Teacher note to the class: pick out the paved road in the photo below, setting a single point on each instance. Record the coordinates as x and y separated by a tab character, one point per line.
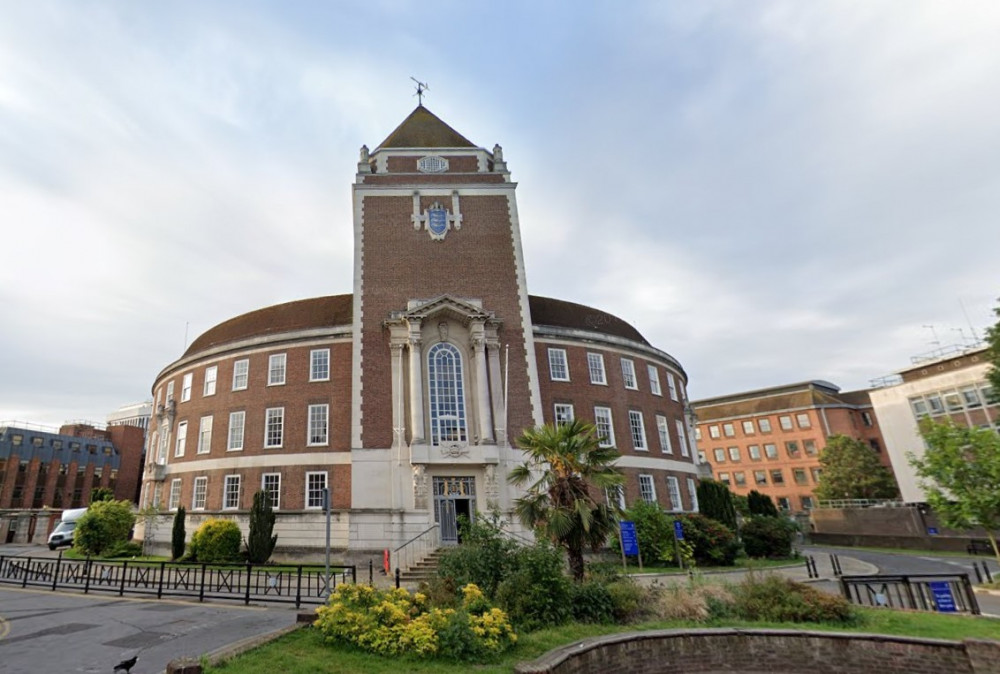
51	632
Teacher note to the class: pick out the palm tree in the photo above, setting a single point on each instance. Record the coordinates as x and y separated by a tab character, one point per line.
567	463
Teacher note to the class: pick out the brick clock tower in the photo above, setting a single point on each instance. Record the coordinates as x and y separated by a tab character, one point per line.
444	362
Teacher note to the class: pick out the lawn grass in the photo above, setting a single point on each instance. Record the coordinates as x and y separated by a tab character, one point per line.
742	564
304	652
909	551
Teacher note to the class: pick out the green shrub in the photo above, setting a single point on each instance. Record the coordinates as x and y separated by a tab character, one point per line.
105	524
216	541
261	540
768	537
124	549
715	501
653	529
177	535
537	593
714	543
773	598
629	600
485	558
592	602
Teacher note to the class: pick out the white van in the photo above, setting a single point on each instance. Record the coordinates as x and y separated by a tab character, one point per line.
63	533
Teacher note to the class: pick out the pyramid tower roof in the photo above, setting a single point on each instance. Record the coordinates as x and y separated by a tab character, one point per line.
422	128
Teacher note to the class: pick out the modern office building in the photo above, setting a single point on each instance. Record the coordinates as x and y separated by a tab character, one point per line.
404	397
133	414
770	439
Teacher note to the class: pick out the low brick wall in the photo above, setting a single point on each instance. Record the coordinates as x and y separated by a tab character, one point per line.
766	652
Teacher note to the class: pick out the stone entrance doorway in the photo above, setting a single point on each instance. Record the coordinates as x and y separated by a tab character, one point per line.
453	497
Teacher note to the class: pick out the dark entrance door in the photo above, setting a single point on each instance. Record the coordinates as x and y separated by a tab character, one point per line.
454	497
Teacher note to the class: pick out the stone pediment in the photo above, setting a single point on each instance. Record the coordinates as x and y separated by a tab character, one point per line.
464	311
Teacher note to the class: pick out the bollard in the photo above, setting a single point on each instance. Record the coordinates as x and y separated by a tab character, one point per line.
397	577
979	576
371	571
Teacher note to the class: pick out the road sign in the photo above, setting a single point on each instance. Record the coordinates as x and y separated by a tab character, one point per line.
630	541
678	530
943	598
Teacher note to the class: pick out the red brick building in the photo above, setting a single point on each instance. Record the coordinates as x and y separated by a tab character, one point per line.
770	439
403	396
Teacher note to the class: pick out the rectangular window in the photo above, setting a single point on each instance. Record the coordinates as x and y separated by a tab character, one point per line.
807	502
558	368
595	364
803	420
175	495
170	390
728	430
182	431
777	477
186	387
319	365
663	429
748	428
315	485
919	407
800	476
654	380
697	433
810	447
771	450
875	445
605	429
615	496
764	425
211	374
720	455
205	435
783	503
725	479
740	478
274	426
682	438
236	423
628	373
647	490
754	452
760	477
231	497
867	420
816	473
674	489
971	398
953	402
734	453
937	407
792	449
987	392
638	430
672	386
241	373
270	484
276	369
319	416
786	423
564	414
713	432
199	494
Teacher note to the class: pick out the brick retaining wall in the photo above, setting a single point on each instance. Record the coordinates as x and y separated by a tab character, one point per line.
771	651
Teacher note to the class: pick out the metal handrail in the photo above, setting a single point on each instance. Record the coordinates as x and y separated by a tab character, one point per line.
409	558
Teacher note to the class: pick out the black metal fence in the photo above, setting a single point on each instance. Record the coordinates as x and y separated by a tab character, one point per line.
945	593
301	584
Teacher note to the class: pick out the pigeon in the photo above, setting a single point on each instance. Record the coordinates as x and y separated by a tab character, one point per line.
126	665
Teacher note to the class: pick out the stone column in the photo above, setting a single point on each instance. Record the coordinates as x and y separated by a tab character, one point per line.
398	415
482	392
416	390
496	390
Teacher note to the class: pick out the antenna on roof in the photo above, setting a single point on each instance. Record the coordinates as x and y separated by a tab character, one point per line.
421	88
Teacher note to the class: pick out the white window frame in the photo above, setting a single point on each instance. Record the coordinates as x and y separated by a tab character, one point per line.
714	433
318	360
274	413
720	455
748	428
309	487
768	454
729	430
277	369
654	380
558	365
562	413
241	374
615	496
628	374
318	431
638	431
205	435
181	442
276	495
734	454
211	378
672	386
647	488
227	503
674	490
200	489
595	367
237	431
174	500
170	390
785	422
803	420
663	429
186	383
693	494
603	419
682	437
764	425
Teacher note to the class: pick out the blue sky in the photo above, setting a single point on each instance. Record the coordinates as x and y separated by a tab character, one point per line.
769	191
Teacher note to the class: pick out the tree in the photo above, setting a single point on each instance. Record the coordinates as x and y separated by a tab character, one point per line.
993	340
260	541
716	502
101	494
761	504
105	524
177	535
960	472
851	470
566	463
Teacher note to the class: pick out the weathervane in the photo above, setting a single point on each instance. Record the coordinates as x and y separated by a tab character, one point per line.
421	88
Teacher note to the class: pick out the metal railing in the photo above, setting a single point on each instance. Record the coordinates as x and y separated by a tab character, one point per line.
863	503
945	593
301	584
416	549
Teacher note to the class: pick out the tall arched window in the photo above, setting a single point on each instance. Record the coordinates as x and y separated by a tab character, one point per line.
447	394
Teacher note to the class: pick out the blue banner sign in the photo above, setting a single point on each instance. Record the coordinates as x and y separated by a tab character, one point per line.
932	531
943	598
678	530
630	541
